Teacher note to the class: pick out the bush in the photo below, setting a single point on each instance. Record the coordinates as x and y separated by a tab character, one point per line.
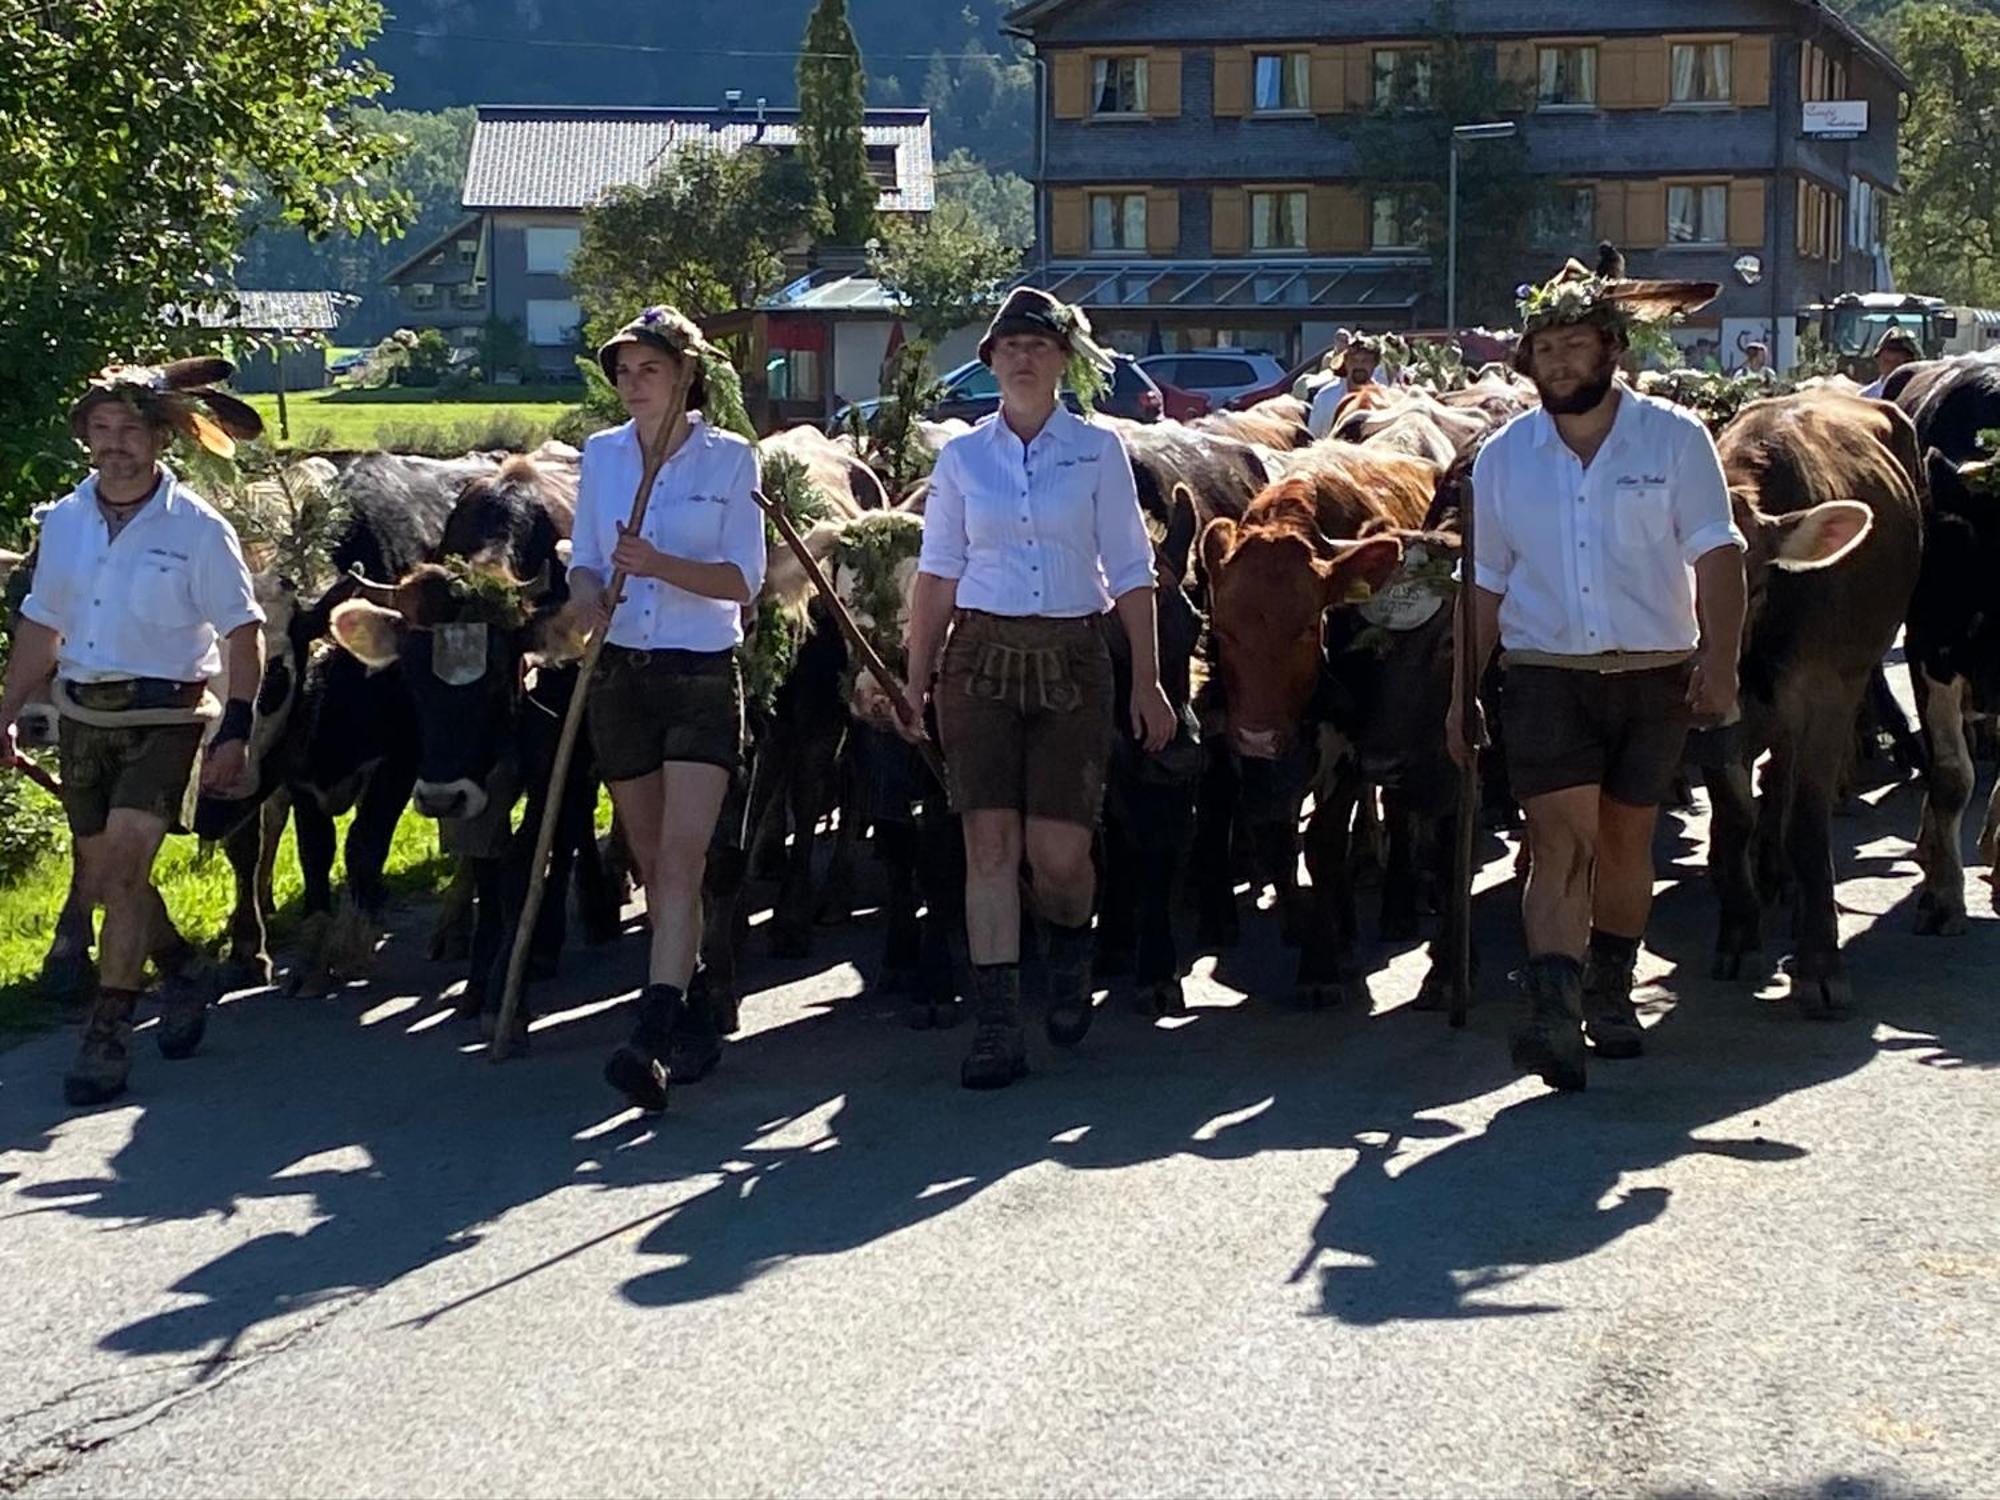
504	350
498	430
386	360
578	423
428	360
31	826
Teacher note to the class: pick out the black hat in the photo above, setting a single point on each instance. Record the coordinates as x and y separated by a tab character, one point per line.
1902	341
664	328
173	395
1029	309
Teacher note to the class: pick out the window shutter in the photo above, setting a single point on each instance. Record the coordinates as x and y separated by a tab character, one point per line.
1163	84
1327	89
1360	77
1649	73
1645	215
1746	213
1519	64
1611	212
1751	70
1336	221
1228	221
1163	221
1072	85
1617	82
1232	83
1067	228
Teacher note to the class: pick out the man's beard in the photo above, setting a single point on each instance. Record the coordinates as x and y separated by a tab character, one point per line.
1584	398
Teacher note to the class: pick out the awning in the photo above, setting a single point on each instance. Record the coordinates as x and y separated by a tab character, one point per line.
1376	284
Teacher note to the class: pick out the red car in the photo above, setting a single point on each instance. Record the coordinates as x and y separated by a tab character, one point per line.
1479	349
1178	405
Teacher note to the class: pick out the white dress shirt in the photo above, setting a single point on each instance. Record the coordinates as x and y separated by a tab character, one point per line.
1600	559
152	602
1325	402
1047	528
702	509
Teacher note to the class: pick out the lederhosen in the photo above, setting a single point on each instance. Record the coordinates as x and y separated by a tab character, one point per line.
147	768
651	707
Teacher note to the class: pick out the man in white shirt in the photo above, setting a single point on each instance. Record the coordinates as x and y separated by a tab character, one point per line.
1609	569
1896	349
1313	382
141	597
1356	370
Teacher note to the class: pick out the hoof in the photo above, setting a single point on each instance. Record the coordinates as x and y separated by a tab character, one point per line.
314	983
789	940
1333	994
1436	993
71	977
1937	919
1826	998
1066	1025
83	1093
244	974
994	1076
449	948
1161	998
934	1015
1403	927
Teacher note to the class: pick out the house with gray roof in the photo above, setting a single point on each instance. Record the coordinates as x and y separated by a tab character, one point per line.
532	172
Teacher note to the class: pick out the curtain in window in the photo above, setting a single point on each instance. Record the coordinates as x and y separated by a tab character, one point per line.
1715	71
1682	207
1270	83
1104	86
1714	214
1550	88
1135	222
1103	222
1687	62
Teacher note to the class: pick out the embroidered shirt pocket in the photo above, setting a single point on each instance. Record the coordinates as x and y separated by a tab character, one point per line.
161	591
1642	514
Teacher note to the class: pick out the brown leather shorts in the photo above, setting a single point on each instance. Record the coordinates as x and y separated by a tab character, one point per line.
144	770
1620	731
650	707
1024	710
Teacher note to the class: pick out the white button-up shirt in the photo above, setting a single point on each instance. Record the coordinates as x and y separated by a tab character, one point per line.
1600	559
702	509
1050	527
152	602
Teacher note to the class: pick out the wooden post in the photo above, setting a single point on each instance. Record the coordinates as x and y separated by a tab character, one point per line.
284	417
1468	773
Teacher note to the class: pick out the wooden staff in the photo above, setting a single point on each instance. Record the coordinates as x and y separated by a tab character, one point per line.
654	455
870	658
1468	773
39	775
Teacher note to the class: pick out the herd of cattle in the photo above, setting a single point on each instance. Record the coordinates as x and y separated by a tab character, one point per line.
1306	639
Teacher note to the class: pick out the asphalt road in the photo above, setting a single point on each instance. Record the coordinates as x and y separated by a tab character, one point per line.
1254	1251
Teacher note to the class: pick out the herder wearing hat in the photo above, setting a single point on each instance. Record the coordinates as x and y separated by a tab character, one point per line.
1032	532
666	704
1897	348
140	598
1610	573
1357	368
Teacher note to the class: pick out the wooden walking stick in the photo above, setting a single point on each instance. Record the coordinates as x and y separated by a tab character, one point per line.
654	456
1468	773
870	658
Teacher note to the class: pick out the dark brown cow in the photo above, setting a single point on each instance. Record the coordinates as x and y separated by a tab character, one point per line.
1825	490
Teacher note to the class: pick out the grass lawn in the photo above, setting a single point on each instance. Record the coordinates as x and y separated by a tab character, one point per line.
199	894
417	420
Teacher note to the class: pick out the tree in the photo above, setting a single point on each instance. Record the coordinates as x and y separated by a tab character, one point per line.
984	104
943	271
1944	231
1406	145
832	99
1000	201
706	234
132	135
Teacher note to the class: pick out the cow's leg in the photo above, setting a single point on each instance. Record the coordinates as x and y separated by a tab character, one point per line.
67	971
1327	968
1440	984
1776	793
1214	861
944	967
358	923
1401	885
717	980
1731	822
812	775
1911	756
484	971
451	930
902	935
1818	979
315	835
1159	840
1947	789
836	892
1371	848
1119	877
249	962
1989	839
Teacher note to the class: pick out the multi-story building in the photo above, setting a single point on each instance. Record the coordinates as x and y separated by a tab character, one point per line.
1200	179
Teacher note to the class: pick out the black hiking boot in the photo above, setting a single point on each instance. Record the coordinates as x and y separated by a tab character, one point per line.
999	1052
184	999
638	1069
1067	1019
103	1062
1610	1019
1549	1039
695	1045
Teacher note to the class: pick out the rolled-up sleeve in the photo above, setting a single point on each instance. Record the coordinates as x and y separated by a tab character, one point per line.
586	542
1493	555
40	604
943	554
743	526
1703	519
1122	544
224	591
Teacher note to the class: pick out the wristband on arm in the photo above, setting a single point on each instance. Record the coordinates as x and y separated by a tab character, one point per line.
237	718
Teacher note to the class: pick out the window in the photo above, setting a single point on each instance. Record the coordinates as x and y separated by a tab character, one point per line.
552	321
469	294
421	294
1392	223
1118	86
1214	374
1278	220
1822	230
468	252
793	375
978	382
549	250
1568	77
1701	73
1570	217
1698	215
882	169
1281	81
1118	221
1402	78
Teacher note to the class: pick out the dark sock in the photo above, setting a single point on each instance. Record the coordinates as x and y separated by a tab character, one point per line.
1610	949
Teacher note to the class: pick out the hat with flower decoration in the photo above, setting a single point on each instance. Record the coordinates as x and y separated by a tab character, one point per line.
662	327
1576	295
1029	309
179	395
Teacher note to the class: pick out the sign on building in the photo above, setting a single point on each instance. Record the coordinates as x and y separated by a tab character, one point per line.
1836	119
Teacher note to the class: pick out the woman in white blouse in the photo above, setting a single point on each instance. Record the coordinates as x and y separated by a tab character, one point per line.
666	704
1032	532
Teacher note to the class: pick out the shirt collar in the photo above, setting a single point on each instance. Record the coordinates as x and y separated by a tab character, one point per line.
1621	425
698	432
1058	429
165	490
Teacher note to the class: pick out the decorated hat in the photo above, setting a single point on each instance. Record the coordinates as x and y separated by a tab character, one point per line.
181	395
1577	295
1031	310
1902	341
664	328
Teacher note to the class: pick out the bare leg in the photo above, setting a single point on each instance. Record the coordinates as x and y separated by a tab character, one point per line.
993	841
1622	892
1562	833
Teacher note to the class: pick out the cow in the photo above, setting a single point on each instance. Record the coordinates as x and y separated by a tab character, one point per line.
1277	423
832	466
1271	578
1825	488
1417	424
487	650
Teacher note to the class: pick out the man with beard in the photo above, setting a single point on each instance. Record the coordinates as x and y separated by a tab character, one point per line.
140	597
1609	571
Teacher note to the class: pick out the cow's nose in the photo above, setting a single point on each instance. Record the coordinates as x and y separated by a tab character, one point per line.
440	802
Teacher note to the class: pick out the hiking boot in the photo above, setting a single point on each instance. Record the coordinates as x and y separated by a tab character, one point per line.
1549	1039
999	1052
1067	1019
105	1059
1610	1019
694	1046
638	1069
184	1001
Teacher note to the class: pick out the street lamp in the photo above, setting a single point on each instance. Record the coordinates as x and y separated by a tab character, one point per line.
1499	130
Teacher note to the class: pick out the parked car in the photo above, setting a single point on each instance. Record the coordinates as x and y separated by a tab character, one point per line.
1180	405
1479	348
971	392
1219	374
347	364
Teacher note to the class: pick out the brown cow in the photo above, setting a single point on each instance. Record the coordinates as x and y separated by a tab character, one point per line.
1278	423
849	485
1826	490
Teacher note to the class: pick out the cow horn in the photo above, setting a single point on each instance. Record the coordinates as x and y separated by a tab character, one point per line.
535	588
383	594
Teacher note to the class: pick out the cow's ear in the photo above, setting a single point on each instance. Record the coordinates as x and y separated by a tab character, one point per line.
369	633
785	578
1802	540
1217	538
1355	566
555	638
1951	484
1179	540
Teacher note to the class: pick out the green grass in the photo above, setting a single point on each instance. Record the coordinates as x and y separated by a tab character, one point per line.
199	893
416	420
